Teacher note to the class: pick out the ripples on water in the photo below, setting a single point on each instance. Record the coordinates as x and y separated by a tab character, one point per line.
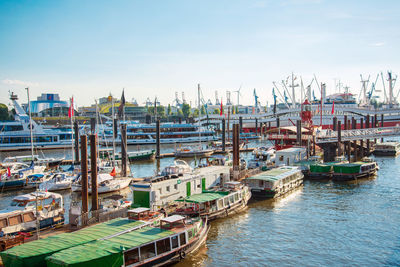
320	224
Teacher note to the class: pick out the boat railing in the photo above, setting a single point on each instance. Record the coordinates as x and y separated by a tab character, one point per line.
97	216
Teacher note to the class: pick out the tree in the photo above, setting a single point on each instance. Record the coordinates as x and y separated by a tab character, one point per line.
237	110
196	113
186	110
216	111
169	110
179	113
4	115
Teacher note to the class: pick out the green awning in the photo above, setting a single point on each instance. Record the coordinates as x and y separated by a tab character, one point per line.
204	197
107	252
34	253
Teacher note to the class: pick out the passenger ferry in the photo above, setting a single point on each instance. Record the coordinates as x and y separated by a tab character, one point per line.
217	202
170	133
390	148
275	182
148	246
15	135
21	215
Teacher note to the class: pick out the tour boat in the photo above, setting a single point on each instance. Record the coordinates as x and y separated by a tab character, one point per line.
175	238
390	148
25	211
275	182
59	181
217	202
105	182
353	171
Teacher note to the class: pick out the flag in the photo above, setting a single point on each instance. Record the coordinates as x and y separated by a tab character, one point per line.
8	172
333	107
317	109
221	110
121	105
113	172
71	108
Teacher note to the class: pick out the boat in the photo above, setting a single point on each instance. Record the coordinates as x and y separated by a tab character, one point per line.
389	148
216	202
356	170
16	135
263	157
171	242
114	202
304	164
176	181
34	180
25	211
48	162
191	152
15	174
170	133
289	156
33	253
105	184
317	170
145	214
275	182
132	156
59	181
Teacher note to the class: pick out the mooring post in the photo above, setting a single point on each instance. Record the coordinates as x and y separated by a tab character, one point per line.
298	129
158	153
362	140
256	121
313	144
334	124
76	141
339	134
93	171
240	124
123	150
375	124
84	179
382	126
92	125
223	136
236	156
278	123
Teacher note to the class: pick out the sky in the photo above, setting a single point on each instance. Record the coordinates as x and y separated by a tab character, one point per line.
89	49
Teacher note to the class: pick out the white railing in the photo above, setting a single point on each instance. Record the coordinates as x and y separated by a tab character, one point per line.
328	136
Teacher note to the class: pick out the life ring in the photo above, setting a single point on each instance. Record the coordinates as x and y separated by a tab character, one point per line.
182	254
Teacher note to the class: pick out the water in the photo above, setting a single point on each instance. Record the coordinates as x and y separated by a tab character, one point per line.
320	224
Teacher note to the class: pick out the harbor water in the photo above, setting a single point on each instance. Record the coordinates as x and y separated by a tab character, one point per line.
320	224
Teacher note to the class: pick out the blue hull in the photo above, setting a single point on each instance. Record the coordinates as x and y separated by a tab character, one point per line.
12	183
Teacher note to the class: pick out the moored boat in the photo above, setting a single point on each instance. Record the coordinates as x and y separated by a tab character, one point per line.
353	171
275	182
25	210
149	246
59	181
191	152
390	148
105	182
217	202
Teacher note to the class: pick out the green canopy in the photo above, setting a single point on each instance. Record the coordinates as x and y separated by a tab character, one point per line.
107	252
275	174
34	253
204	197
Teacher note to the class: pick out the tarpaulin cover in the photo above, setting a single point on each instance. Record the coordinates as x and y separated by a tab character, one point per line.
34	253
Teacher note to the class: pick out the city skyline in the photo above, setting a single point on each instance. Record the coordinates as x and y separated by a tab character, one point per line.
156	48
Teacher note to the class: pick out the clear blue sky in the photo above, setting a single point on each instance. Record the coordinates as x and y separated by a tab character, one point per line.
154	48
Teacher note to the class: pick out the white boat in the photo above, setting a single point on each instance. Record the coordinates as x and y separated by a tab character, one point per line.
191	152
179	167
34	180
106	184
59	181
36	159
13	175
389	148
20	216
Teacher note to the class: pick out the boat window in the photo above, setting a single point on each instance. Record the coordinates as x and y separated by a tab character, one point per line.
260	183
15	220
231	200
17	204
29	217
190	234
176	187
147	251
168	188
3	222
163	246
220	203
182	238
131	256
174	242
236	197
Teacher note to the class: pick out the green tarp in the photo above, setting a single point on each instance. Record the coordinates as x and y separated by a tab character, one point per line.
318	168
107	252
204	197
347	168
34	253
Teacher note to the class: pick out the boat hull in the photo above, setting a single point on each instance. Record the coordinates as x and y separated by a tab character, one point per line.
352	176
12	183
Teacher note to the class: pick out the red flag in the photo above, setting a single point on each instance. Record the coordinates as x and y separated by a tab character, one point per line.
220	112
317	109
8	172
333	107
113	172
71	109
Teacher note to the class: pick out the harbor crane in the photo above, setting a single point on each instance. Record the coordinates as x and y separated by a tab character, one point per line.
183	98
216	98
228	98
256	101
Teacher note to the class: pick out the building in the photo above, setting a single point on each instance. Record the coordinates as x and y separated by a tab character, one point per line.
48	105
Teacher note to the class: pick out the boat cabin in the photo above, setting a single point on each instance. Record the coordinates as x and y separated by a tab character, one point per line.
289	156
142	214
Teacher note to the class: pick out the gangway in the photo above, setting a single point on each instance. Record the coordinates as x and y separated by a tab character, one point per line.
330	136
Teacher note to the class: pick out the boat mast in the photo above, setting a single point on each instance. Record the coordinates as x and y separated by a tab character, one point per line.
113	125
30	121
198	95
72	130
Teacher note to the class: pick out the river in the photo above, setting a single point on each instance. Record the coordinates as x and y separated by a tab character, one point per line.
320	224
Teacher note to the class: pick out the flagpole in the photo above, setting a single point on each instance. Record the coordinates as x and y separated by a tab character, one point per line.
71	115
113	120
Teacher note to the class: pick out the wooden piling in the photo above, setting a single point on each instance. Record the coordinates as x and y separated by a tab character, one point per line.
93	171
158	152
223	136
115	130
84	174
92	125
236	156
76	141
339	131
334	124
256	121
382	126
123	150
298	134
240	124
